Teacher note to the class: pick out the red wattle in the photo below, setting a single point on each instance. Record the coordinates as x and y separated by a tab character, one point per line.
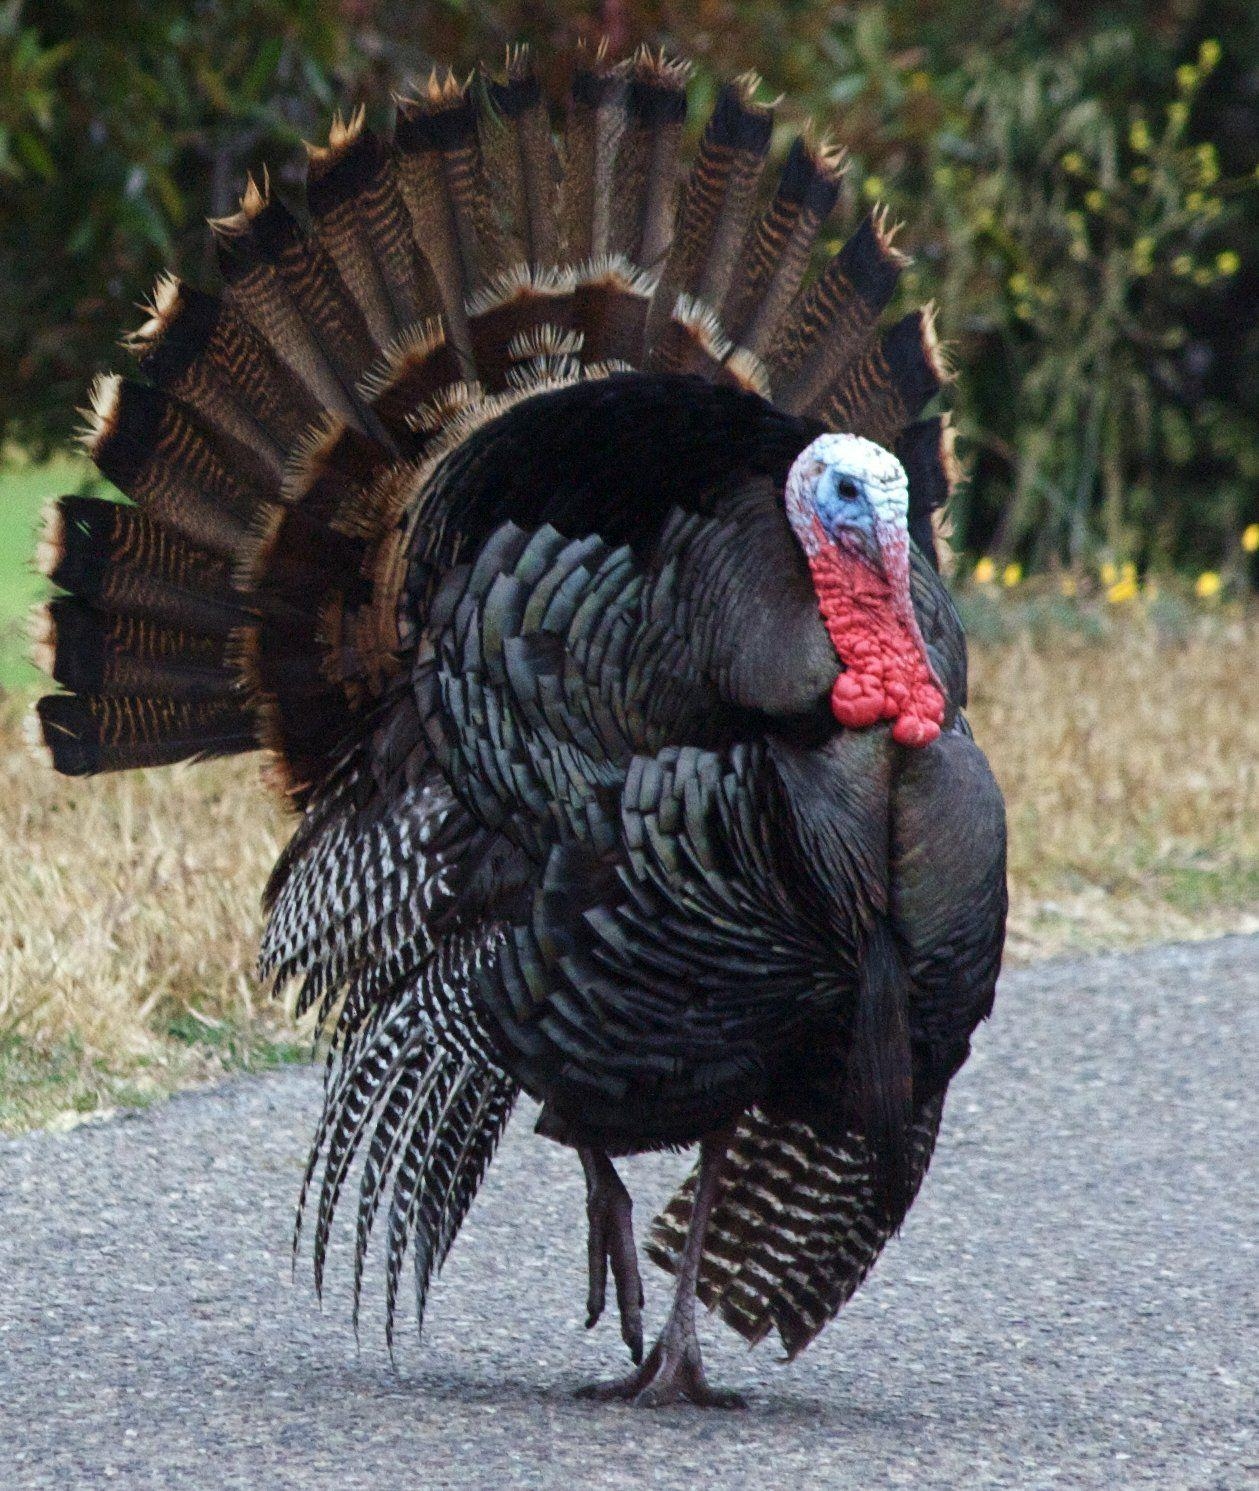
870	620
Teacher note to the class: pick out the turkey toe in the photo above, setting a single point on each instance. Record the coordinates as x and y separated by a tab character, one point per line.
673	1373
610	1240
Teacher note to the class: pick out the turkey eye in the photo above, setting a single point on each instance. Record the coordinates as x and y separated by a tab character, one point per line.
848	488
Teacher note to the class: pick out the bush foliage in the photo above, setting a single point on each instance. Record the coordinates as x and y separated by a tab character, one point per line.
1077	182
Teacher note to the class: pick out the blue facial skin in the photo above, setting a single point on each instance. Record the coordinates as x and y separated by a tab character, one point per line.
845	511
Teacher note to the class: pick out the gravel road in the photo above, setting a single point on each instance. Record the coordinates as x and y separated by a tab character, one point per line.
1073	1303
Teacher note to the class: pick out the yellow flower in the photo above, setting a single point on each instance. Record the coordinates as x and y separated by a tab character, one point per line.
1109	574
1207	585
1209	53
1143	255
1139	135
1228	262
919	82
1182	265
1124	586
1094	200
1073	163
1019	283
1069	586
1139	175
1178	113
873	187
1194	201
1250	538
1011	575
985	571
1186	76
1202	277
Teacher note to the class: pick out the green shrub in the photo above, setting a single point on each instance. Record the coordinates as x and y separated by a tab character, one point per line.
1076	235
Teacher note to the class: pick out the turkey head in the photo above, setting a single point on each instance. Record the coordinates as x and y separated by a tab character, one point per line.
847	501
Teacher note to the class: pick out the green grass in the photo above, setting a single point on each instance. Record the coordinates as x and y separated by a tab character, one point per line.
25	490
60	1085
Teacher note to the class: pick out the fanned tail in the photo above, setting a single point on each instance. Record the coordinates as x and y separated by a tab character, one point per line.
283	429
796	1227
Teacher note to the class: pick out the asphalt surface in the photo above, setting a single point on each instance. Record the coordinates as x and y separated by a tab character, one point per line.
1074	1301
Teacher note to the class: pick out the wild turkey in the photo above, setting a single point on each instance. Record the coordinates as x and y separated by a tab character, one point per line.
620	700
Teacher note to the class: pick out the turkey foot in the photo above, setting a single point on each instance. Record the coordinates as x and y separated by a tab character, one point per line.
609	1212
674	1369
672	1373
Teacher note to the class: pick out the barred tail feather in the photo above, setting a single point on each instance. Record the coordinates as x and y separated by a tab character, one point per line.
86	735
596	120
716	204
888	387
796	1226
516	139
357	210
926	450
832	320
776	251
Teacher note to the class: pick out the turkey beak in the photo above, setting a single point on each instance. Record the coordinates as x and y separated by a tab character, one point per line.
865	540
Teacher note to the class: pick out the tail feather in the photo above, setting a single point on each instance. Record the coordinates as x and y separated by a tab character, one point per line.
156	451
596	121
86	734
926	450
89	652
717	201
516	140
889	384
832	320
257	288
644	190
309	275
195	349
444	185
119	561
357	209
796	1226
775	254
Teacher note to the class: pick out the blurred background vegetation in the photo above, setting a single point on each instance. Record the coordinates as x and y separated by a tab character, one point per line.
1078	184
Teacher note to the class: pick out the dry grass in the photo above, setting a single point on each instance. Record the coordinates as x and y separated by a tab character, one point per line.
1129	758
129	906
128	920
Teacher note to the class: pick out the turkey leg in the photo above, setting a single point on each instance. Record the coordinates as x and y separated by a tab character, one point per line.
609	1212
674	1369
